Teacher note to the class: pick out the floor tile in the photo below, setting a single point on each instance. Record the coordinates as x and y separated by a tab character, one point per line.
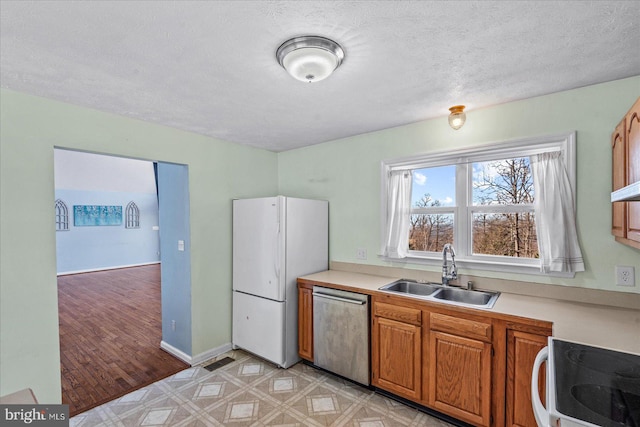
254	392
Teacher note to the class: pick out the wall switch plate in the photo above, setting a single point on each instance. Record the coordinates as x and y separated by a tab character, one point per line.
361	253
181	245
625	276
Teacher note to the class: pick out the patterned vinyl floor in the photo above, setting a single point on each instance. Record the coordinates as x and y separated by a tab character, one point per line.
252	392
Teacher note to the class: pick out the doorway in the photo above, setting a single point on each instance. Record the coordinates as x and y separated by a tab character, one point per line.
112	274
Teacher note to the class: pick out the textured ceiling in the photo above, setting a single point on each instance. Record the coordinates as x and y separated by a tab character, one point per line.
210	68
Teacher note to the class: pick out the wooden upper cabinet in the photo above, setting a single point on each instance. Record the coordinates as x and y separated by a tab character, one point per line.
619	179
305	323
633	142
633	169
625	145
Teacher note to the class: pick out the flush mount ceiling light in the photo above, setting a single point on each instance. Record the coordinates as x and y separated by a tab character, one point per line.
457	116
310	58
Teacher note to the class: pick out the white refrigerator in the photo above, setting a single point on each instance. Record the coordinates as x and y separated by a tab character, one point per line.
275	240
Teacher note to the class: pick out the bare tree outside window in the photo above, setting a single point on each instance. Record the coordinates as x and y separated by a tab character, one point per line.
430	232
501	210
510	231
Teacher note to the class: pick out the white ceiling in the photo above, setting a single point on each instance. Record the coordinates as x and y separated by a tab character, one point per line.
210	67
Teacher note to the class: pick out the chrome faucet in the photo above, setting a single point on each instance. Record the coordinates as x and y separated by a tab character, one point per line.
448	273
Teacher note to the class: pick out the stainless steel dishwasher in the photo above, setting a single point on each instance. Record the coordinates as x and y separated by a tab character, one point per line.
341	333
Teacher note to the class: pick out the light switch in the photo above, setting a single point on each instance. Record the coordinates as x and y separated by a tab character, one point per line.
181	245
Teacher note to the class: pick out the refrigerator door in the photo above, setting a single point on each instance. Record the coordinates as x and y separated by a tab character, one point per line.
307	239
258	247
258	326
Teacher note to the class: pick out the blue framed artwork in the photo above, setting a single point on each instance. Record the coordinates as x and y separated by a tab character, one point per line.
91	215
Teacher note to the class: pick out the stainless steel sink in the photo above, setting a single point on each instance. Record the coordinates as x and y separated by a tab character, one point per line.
440	293
479	298
410	287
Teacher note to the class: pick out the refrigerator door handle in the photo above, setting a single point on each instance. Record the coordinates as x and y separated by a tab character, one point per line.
347	300
278	245
276	265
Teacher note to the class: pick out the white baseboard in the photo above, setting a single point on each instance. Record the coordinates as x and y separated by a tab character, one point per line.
175	352
211	353
91	270
198	358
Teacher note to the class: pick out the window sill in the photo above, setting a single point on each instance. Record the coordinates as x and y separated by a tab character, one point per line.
501	267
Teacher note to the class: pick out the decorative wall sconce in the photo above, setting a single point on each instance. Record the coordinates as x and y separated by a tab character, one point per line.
457	116
310	58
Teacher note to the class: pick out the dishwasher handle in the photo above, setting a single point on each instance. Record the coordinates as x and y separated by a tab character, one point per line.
347	300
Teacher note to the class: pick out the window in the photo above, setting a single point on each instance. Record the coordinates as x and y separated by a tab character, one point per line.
479	199
502	214
433	193
62	216
132	214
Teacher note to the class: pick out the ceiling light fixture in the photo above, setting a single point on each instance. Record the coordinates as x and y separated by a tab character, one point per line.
310	58
457	116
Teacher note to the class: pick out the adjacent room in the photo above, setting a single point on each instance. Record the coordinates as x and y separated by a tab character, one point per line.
332	213
109	278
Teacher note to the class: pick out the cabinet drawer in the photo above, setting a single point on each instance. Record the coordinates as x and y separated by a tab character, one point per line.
461	327
394	312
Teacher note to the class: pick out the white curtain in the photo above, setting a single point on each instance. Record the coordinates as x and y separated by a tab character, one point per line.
398	210
555	215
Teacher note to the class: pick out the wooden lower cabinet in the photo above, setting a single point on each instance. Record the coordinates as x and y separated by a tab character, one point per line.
472	366
305	323
522	348
460	376
396	354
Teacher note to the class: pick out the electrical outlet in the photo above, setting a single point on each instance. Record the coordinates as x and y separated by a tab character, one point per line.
173	325
625	276
361	253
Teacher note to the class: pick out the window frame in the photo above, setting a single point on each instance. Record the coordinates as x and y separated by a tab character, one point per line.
132	216
62	215
463	213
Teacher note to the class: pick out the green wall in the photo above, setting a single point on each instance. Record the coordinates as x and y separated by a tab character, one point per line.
347	173
30	127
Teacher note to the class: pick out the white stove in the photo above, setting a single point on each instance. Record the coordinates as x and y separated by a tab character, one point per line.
587	386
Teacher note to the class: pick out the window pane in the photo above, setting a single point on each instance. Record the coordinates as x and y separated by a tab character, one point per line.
502	182
512	234
430	232
434	187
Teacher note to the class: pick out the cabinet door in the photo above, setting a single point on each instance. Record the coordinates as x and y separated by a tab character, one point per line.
460	373
619	179
396	354
522	349
633	169
305	323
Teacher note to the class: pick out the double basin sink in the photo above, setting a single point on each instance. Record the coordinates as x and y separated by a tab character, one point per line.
441	293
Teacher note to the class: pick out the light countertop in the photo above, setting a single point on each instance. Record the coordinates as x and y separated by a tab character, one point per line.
598	325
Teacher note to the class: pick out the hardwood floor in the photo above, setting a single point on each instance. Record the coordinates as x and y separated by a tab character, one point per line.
110	333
